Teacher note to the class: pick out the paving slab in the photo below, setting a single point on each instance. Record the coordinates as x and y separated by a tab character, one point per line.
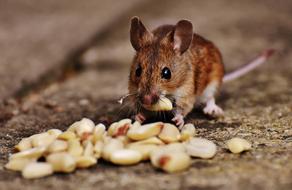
257	107
250	113
241	30
39	37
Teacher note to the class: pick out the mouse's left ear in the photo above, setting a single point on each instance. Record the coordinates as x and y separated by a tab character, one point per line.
183	36
139	35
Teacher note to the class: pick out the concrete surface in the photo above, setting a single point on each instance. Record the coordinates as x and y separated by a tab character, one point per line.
39	37
257	107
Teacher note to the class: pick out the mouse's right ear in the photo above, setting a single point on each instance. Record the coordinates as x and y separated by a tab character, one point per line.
183	36
139	35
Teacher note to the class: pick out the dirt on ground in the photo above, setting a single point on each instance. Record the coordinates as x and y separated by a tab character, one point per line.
257	106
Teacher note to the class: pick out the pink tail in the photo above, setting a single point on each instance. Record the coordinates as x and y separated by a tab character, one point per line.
249	66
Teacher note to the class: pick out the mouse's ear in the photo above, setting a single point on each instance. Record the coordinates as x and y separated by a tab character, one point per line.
183	36
139	35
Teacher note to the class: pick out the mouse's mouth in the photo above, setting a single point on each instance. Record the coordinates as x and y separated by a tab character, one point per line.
162	104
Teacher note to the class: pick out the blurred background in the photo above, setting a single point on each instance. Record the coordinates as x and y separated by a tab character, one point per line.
61	60
40	38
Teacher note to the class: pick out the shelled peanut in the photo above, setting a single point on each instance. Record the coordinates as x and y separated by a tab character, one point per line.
163	104
62	151
237	145
124	143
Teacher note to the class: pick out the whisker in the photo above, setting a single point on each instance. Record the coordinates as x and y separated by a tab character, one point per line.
138	107
161	99
124	109
121	100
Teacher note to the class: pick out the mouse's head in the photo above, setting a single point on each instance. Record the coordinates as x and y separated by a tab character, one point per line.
160	65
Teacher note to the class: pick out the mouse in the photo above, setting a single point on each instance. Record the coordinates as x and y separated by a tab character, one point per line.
175	62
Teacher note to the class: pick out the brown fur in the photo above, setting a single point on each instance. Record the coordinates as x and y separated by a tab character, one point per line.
191	71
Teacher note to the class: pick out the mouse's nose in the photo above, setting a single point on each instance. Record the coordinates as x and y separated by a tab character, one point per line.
150	99
147	100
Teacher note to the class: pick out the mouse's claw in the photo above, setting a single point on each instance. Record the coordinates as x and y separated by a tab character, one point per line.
212	109
140	117
178	119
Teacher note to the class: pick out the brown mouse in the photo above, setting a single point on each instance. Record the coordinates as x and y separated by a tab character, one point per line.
175	62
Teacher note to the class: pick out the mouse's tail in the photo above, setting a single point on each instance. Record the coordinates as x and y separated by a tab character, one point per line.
249	66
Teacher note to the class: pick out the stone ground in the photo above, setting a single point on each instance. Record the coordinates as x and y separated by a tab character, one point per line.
64	60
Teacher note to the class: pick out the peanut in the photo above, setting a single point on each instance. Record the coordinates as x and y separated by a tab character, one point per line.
42	139
111	146
170	161
97	149
170	148
124	139
24	144
67	135
142	132
74	147
164	104
169	133
33	153
112	128
125	157
175	147
58	146
88	149
98	132
85	161
144	149
238	145
54	132
72	127
62	162
151	140
18	164
37	170
119	128
84	126
187	131
202	148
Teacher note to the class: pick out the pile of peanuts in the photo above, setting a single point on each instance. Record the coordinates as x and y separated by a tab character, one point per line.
124	143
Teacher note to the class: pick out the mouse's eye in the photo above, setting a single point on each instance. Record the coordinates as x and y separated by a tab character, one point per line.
166	74
138	71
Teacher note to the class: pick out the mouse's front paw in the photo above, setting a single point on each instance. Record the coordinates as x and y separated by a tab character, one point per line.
179	120
213	110
140	117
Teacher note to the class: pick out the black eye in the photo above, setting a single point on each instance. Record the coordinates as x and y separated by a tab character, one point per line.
166	74
138	71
